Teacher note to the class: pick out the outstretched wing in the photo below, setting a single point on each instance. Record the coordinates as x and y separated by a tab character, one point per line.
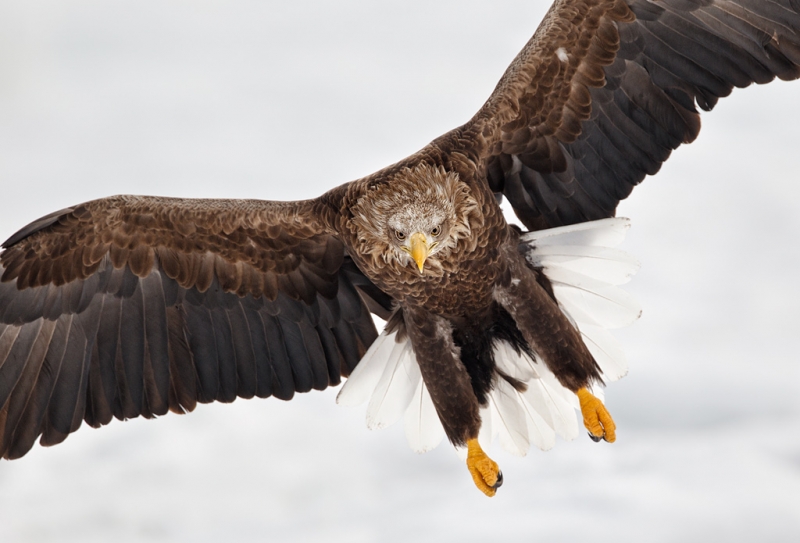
606	89
132	306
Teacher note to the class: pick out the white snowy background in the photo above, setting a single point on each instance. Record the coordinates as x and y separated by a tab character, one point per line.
283	100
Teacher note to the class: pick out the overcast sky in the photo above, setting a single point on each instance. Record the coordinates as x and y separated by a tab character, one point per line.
283	100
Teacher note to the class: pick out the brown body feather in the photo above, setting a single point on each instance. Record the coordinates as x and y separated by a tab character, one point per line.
131	306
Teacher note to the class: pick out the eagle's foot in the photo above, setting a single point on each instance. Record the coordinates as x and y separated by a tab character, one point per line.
485	471
596	417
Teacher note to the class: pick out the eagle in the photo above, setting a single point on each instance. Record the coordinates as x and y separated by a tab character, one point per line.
135	306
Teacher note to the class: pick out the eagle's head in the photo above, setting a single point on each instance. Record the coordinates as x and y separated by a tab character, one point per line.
416	219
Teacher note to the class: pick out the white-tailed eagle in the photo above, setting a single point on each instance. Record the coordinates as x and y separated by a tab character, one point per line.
134	306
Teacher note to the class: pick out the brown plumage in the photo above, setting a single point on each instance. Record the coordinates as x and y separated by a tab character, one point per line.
130	306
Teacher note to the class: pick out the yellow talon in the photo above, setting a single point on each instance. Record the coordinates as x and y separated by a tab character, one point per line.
485	471
596	417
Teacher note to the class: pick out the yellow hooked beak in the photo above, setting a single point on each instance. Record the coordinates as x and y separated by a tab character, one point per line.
419	249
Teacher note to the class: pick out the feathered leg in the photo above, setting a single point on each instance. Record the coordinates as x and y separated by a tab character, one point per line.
451	390
550	334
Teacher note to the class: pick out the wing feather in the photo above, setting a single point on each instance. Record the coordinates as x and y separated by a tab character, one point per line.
19	401
263	362
156	374
606	89
132	348
68	386
18	440
133	306
99	410
15	361
246	372
226	355
297	352
283	382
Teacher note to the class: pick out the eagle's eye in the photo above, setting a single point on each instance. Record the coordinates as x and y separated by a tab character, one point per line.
400	235
436	231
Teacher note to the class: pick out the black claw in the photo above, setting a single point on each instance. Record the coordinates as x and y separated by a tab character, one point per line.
595	438
499	482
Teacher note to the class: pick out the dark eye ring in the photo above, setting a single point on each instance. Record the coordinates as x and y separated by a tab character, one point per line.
437	230
400	235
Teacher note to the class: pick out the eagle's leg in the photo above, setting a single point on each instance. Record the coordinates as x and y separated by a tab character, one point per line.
450	388
553	337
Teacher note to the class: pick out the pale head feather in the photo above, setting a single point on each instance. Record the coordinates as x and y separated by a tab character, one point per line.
415	200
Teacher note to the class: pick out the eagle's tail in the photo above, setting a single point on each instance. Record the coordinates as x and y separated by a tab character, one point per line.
584	269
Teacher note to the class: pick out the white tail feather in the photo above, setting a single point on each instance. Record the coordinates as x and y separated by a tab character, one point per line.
545	395
558	400
598	392
486	433
540	433
604	264
511	363
509	418
361	384
606	350
522	368
423	429
395	388
602	233
603	304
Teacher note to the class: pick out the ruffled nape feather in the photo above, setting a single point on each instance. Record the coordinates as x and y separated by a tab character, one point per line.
585	270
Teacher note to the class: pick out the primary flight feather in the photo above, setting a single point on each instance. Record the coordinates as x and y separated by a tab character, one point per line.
130	306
